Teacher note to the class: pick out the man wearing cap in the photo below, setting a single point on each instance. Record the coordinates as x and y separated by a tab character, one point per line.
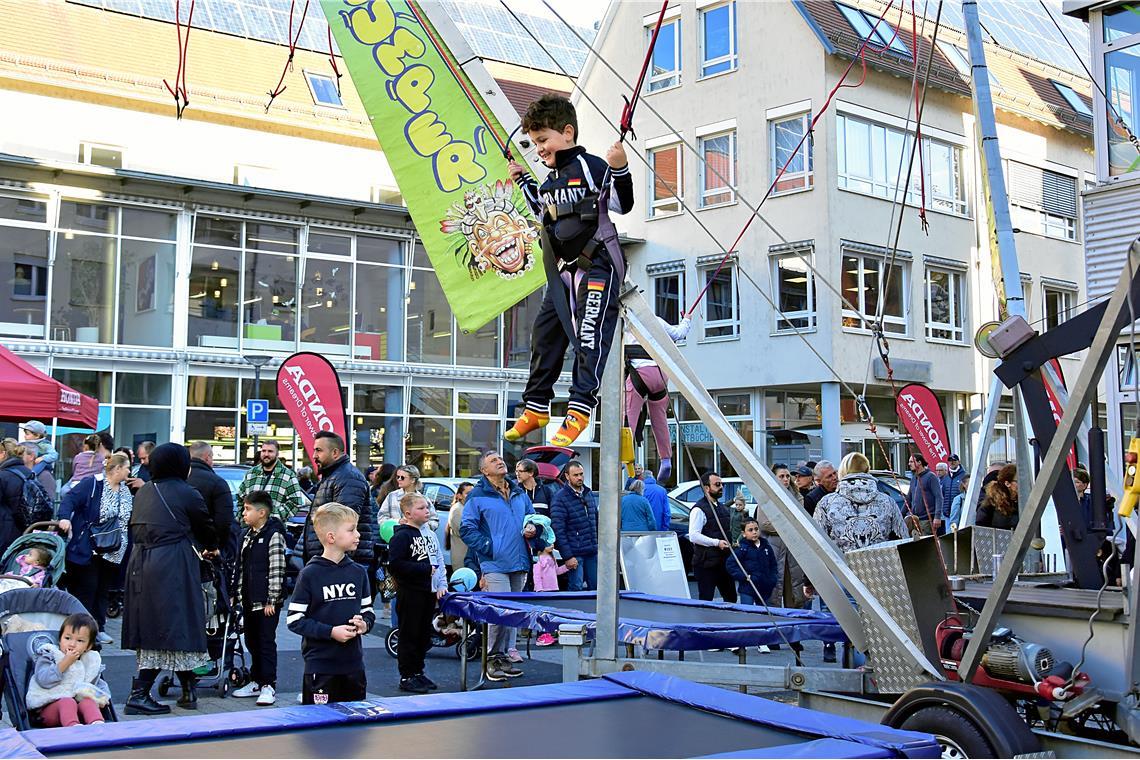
804	480
956	474
35	433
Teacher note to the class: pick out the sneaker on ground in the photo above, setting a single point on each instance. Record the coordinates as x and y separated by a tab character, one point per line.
495	671
763	649
427	681
103	638
513	655
251	689
509	669
267	697
571	428
414	685
545	640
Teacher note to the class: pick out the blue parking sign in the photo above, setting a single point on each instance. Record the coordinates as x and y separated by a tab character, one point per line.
257	410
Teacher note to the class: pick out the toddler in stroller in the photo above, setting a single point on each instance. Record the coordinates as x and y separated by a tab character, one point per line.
50	550
47	632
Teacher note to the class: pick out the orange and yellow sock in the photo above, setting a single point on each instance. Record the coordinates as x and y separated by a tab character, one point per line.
571	428
527	423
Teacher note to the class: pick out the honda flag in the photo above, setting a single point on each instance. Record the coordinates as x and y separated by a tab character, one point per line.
309	389
921	415
1055	406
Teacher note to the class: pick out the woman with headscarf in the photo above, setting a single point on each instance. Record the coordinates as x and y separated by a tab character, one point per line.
164	618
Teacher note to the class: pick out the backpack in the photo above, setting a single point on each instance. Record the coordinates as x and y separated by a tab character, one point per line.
35	504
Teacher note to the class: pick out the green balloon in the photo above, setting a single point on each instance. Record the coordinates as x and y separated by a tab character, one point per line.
387	528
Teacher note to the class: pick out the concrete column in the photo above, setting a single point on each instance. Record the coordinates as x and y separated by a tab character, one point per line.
829	414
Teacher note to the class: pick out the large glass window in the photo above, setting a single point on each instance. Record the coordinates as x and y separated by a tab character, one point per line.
789	148
380	291
863	284
666	180
429	445
326	300
718	39
794	291
379	419
84	287
666	68
429	320
718	170
871	155
945	297
878	31
1042	201
722	314
518	323
146	292
669	296
24	262
269	308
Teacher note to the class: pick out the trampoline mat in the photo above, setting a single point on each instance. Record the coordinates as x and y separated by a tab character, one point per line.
627	727
673	614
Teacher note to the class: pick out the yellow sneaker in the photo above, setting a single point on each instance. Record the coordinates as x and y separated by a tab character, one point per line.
571	428
526	424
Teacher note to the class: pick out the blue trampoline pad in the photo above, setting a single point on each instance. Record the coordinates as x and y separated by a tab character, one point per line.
655	622
632	715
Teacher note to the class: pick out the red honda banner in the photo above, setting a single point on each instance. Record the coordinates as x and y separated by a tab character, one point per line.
1055	407
309	390
921	415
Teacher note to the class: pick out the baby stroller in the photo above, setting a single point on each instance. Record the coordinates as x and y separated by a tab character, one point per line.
30	618
41	535
229	668
444	633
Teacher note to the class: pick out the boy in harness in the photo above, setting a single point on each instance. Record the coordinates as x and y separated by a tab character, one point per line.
584	264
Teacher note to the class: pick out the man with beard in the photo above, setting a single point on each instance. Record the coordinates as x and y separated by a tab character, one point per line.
277	480
708	532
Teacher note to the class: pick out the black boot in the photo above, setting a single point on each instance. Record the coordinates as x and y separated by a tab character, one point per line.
189	698
141	702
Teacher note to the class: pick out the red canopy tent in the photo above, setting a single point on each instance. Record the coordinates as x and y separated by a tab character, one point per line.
31	395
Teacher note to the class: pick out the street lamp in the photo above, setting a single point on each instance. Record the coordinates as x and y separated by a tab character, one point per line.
257	361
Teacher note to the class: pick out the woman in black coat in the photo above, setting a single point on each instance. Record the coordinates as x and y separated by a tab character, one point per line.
164	618
13	473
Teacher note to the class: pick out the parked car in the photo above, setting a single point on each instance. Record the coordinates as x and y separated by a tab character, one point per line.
893	485
233	474
679	524
550	460
689	492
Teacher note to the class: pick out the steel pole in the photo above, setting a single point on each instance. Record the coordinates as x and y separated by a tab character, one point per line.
1100	352
989	420
609	497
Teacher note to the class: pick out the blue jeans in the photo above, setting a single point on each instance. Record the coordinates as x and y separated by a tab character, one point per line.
585	576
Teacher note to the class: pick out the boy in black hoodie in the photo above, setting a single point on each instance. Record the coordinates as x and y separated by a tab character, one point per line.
332	608
417	565
260	590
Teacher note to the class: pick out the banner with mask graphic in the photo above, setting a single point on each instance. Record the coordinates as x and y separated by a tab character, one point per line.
308	389
921	415
444	146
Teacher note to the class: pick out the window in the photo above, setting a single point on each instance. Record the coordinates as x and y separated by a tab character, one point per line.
879	31
388	195
253	176
1075	101
1122	82
324	89
110	156
869	158
1058	305
784	137
718	171
718	39
1041	201
666	68
863	285
722	318
793	285
666	180
957	57
24	258
669	296
944	305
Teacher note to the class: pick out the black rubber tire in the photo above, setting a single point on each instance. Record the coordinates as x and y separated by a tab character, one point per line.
472	642
392	642
958	736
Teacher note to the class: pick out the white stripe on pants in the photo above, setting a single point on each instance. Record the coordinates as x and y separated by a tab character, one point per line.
500	638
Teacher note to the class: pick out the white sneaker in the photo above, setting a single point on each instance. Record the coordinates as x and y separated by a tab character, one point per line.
268	696
763	649
251	689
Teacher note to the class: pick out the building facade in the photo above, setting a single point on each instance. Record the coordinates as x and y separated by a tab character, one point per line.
149	259
781	336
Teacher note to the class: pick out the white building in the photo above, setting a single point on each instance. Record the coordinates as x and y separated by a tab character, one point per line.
741	81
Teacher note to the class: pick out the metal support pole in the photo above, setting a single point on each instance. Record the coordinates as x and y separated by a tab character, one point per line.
820	560
257	394
989	420
609	496
1100	352
1023	451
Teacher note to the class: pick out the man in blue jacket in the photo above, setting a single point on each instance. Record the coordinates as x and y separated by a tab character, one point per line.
574	518
492	528
658	499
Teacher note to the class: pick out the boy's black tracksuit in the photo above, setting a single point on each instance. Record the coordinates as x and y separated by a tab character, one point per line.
261	576
583	274
329	594
409	558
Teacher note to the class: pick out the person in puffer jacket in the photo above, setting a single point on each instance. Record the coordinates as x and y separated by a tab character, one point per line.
342	483
67	685
857	515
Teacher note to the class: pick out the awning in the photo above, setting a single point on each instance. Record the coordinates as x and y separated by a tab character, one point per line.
31	395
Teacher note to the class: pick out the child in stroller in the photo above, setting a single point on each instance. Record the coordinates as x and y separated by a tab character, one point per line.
67	687
31	620
40	537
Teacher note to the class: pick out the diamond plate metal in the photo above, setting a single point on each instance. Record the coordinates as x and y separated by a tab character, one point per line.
987	543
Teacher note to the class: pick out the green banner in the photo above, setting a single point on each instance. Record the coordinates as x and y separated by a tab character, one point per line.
443	144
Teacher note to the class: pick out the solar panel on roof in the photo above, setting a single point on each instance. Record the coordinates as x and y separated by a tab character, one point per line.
1025	26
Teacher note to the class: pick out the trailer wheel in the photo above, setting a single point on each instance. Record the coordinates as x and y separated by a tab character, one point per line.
392	642
957	735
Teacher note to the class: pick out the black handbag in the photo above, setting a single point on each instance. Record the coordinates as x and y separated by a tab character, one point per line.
107	535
